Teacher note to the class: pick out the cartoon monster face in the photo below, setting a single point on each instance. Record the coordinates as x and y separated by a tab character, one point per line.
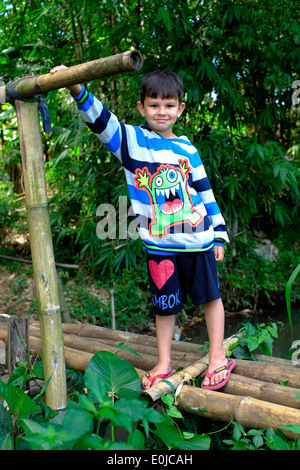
167	186
170	198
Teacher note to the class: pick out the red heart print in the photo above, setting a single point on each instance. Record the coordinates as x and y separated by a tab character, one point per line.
161	272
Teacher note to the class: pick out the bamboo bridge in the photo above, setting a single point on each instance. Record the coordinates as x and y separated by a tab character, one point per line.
254	396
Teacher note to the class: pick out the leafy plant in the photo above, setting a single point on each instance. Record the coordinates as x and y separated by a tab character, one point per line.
112	393
255	337
108	401
254	439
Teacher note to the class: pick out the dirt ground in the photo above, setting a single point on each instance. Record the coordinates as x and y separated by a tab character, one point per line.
16	292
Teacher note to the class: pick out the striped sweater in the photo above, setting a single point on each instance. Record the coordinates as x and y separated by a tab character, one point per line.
171	196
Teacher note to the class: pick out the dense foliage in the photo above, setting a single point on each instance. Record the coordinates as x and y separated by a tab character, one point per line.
238	60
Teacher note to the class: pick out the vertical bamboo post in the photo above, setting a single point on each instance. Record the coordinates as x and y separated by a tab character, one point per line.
44	269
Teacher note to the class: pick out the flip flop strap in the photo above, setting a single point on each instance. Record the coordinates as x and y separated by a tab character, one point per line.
216	371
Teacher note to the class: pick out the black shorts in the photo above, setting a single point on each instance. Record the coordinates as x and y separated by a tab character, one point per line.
173	277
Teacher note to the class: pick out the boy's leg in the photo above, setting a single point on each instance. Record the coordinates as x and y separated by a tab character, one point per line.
164	334
214	315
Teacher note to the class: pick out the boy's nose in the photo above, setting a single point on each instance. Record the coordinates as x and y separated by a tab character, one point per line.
162	110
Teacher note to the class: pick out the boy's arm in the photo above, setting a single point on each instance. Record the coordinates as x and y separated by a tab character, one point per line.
74	89
104	124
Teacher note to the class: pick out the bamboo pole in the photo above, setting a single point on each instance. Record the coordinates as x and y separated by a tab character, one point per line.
266	391
269	372
247	411
146	358
81	73
44	270
75	359
100	332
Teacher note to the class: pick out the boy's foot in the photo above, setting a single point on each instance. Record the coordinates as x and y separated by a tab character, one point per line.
154	378
219	377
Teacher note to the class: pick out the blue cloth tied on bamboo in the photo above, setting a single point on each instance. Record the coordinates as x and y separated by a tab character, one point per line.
12	95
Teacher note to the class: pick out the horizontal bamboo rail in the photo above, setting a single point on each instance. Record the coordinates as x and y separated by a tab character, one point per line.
269	372
31	85
262	390
93	331
247	411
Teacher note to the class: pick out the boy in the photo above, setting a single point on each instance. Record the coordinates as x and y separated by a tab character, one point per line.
178	218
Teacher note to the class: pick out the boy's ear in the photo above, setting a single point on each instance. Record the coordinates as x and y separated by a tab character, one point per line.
141	108
181	109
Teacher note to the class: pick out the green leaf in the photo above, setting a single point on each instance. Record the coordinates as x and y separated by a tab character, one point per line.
164	15
86	403
122	346
76	423
6	425
18	376
136	440
7	442
171	436
292	427
116	376
19	403
279	443
297	394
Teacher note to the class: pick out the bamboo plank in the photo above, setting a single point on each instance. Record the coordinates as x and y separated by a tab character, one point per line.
273	393
269	372
95	331
75	359
247	411
92	346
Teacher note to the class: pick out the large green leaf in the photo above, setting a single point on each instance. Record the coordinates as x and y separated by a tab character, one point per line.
116	376
19	404
173	438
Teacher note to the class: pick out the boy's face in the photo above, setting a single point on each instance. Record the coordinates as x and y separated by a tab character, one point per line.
161	114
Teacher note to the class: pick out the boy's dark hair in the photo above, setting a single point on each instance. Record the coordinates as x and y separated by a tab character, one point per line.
161	83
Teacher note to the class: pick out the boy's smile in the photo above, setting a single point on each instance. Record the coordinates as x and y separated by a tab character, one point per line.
161	114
